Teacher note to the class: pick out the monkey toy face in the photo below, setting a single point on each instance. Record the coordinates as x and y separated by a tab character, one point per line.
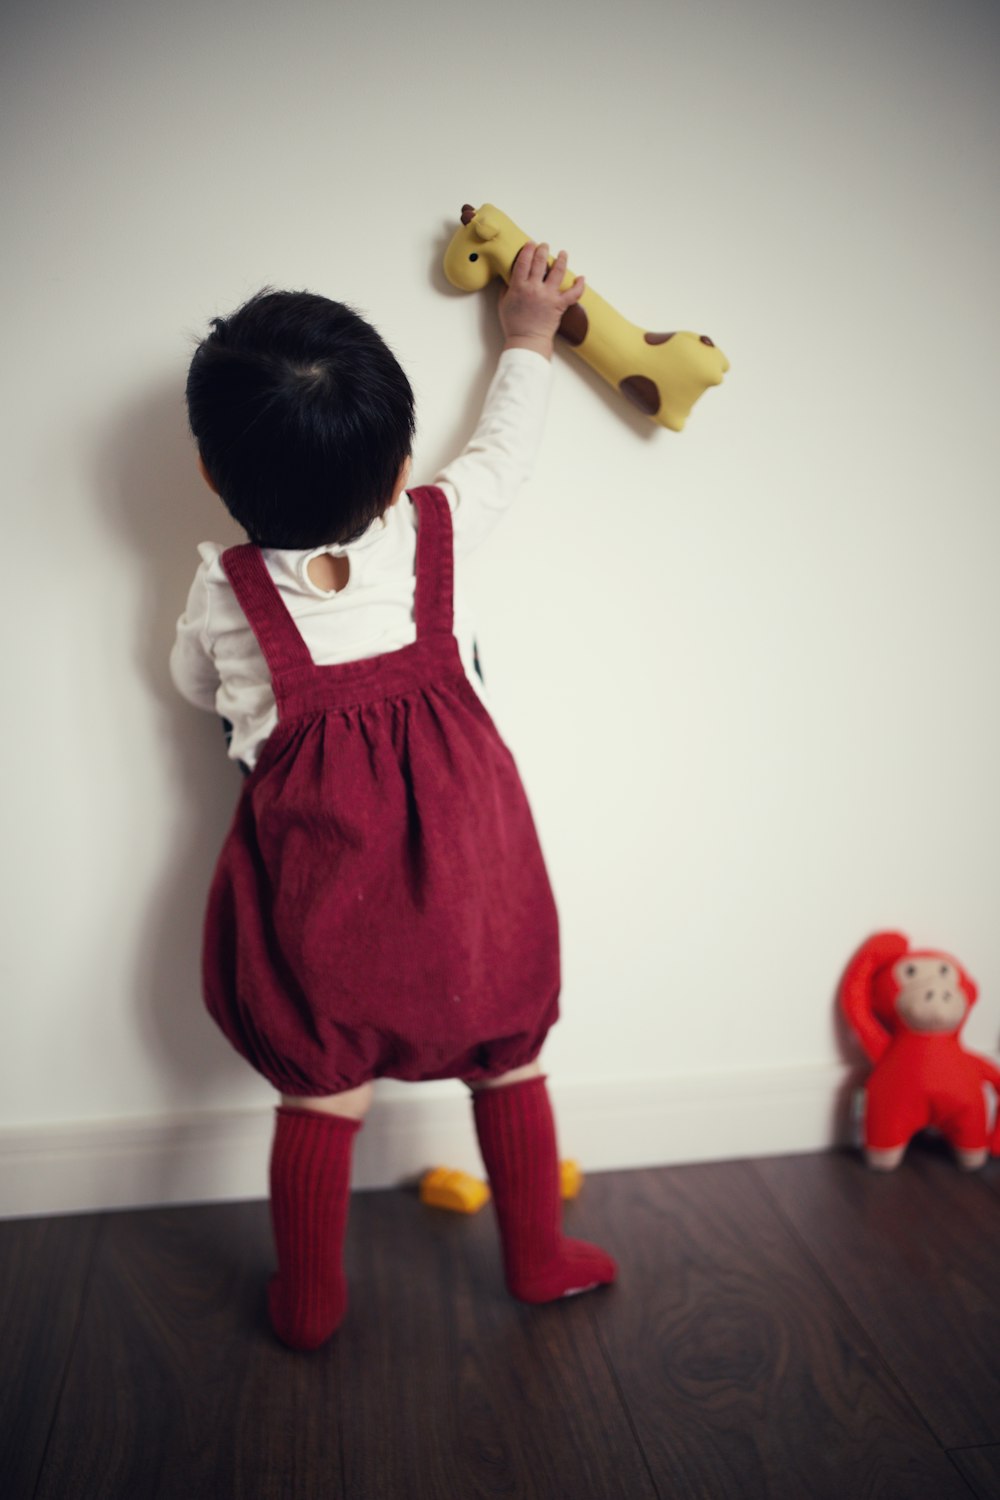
930	997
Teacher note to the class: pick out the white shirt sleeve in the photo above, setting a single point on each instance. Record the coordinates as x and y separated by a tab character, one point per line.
192	666
484	479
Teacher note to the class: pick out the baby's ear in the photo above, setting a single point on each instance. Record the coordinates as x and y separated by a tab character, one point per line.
206	475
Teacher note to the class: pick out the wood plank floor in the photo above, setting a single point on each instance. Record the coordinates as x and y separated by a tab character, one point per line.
796	1328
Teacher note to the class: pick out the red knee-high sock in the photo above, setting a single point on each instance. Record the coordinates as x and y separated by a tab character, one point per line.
310	1189
518	1141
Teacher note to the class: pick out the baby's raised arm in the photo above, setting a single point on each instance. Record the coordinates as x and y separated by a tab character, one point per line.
533	305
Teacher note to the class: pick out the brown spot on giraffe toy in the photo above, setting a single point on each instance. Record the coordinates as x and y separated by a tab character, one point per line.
663	374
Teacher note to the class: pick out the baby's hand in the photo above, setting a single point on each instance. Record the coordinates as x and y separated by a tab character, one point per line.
532	307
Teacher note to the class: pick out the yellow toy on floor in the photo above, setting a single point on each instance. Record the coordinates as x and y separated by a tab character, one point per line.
445	1187
570	1179
661	373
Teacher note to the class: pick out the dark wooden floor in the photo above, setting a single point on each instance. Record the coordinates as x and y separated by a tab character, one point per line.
796	1327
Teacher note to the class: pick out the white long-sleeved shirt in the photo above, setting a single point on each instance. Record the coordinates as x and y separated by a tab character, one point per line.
216	663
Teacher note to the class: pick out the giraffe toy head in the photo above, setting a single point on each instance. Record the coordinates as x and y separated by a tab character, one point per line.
662	373
487	245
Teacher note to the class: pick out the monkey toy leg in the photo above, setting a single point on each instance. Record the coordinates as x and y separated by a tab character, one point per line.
892	1119
966	1133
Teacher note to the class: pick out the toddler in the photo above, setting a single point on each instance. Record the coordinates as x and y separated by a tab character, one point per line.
380	907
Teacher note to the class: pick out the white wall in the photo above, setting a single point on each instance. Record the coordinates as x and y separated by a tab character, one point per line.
749	671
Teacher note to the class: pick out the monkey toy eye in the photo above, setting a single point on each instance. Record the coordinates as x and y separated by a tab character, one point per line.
945	969
911	969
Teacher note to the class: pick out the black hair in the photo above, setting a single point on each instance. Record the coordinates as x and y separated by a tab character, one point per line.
303	416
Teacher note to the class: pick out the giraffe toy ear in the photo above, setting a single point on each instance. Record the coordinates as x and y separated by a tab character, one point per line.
485	229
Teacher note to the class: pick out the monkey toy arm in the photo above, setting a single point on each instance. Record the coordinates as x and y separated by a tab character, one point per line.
855	989
991	1074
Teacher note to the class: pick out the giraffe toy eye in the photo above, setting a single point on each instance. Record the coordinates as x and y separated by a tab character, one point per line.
474	256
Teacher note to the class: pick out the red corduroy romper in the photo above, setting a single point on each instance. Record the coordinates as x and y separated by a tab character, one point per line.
381	905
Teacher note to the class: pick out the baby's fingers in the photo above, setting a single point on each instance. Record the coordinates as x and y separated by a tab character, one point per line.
539	263
574	291
557	273
557	270
530	263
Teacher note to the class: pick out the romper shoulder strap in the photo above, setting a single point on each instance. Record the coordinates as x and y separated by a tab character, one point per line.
433	604
267	614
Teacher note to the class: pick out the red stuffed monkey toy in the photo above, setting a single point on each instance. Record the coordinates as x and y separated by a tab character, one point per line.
907	1007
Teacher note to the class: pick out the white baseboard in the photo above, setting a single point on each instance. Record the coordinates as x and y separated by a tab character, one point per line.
605	1126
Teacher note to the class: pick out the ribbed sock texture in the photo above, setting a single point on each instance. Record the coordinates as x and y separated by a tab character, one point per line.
310	1191
517	1138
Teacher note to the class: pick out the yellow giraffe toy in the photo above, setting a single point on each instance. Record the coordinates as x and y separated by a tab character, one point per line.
662	373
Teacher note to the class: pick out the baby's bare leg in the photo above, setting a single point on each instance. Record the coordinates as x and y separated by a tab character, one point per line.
516	1075
354	1104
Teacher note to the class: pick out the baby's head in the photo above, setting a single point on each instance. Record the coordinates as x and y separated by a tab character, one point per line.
303	418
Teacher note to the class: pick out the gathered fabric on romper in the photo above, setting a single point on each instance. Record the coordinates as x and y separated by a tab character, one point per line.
380	906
